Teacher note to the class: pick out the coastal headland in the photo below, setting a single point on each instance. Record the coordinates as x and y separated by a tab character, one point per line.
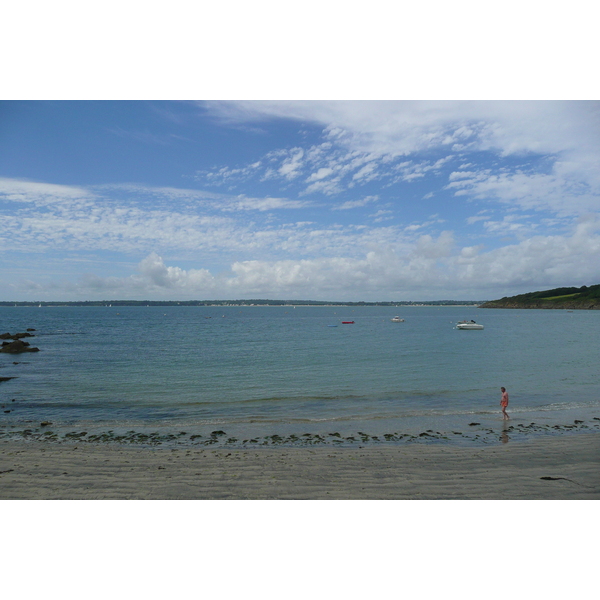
569	298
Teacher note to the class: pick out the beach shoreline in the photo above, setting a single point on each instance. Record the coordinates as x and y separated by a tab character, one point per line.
475	430
560	467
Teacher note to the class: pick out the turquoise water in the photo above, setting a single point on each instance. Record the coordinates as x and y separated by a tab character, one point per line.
261	370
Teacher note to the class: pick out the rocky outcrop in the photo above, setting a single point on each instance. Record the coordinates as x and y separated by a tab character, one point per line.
16	336
17	347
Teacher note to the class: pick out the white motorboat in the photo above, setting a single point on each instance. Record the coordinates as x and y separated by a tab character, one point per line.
468	325
397	320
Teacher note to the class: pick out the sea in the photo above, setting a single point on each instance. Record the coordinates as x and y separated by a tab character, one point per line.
298	375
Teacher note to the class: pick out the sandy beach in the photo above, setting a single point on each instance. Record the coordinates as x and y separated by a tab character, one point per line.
564	467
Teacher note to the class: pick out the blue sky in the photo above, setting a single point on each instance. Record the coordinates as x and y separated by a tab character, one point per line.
340	200
259	175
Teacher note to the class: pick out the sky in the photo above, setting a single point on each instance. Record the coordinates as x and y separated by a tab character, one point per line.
324	200
251	150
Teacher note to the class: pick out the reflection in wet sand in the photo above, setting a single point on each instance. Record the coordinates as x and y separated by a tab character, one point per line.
504	435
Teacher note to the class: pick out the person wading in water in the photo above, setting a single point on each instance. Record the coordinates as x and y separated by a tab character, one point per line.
504	403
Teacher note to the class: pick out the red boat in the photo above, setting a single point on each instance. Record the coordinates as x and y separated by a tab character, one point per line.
347	322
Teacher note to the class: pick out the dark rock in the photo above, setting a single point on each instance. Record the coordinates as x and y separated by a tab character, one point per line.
6	379
577	422
17	347
18	336
5	336
30	329
45	423
473	424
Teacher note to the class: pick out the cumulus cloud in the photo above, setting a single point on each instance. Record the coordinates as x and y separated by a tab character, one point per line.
427	267
156	273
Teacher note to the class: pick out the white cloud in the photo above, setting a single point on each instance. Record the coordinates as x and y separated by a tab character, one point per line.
476	219
405	127
432	264
537	191
349	204
326	186
427	247
156	273
428	267
320	174
42	194
366	173
382	215
290	168
566	133
326	168
42	217
264	204
510	224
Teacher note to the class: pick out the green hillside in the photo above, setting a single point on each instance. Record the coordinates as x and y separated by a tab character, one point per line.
571	298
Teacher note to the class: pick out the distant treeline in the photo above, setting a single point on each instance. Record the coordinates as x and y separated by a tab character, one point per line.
565	297
239	303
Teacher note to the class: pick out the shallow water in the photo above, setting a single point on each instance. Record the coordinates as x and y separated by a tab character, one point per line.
256	371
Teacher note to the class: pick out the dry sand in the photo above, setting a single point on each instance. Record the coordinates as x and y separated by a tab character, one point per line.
411	471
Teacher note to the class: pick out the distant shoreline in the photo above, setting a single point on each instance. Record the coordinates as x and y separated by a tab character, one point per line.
235	303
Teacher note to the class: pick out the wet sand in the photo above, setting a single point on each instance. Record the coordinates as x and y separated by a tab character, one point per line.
564	467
